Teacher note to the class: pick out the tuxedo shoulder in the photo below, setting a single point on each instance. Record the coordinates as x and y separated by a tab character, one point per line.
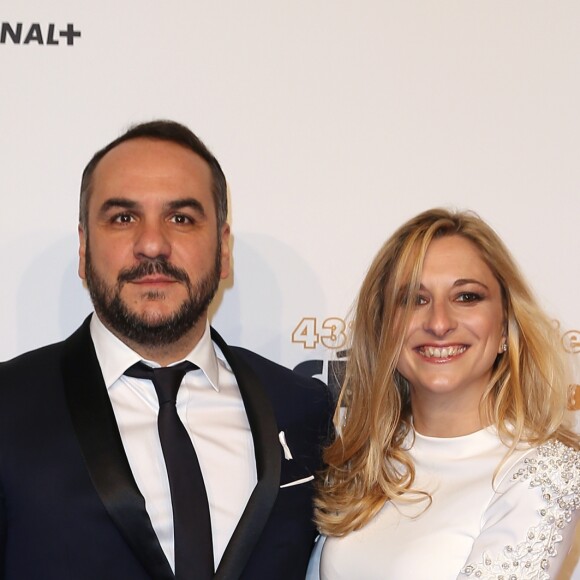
32	363
262	364
29	385
284	384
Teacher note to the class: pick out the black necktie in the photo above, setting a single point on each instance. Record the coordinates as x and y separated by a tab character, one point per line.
191	520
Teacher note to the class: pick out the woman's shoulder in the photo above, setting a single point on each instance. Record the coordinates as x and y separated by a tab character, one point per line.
553	466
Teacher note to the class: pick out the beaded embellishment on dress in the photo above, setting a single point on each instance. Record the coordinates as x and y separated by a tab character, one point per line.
555	468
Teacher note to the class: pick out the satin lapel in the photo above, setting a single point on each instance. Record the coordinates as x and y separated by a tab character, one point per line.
98	435
268	458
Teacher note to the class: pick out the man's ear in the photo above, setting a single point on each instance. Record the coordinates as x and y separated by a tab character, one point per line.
82	252
225	251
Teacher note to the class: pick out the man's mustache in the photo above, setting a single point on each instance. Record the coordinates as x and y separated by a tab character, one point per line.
150	267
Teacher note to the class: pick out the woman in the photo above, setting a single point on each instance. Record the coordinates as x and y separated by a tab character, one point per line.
452	458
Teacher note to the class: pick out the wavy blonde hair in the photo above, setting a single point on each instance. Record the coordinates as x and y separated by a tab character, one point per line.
526	397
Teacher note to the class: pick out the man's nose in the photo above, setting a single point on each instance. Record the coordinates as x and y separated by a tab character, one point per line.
151	240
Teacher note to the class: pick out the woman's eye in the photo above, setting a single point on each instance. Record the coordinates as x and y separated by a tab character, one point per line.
469	297
414	299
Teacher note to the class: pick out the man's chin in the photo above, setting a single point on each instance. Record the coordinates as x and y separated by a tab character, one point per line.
153	318
150	329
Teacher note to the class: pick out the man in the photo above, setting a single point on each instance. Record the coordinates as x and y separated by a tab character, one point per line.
89	481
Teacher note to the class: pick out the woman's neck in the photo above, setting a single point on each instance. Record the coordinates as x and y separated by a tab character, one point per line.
446	420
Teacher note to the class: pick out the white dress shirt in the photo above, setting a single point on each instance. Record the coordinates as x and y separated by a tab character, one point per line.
210	406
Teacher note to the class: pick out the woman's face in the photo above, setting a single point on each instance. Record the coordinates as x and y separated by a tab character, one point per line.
456	328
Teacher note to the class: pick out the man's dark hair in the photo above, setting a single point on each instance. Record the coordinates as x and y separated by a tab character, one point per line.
164	131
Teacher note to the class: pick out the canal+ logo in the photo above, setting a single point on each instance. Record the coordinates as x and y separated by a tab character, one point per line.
36	33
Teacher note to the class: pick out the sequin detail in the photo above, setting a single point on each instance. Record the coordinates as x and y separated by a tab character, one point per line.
555	468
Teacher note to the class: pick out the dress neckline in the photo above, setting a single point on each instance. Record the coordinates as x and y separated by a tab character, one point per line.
463	446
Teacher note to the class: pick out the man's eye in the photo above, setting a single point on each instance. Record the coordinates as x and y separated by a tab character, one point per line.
122	218
181	219
469	297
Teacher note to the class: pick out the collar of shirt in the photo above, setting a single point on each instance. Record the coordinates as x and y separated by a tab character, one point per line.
115	357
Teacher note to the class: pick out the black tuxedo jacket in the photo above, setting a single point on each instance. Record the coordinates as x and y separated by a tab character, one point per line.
70	508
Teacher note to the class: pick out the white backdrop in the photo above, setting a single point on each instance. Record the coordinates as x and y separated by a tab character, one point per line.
334	122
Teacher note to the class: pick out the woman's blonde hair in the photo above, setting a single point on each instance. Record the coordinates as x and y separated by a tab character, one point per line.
526	398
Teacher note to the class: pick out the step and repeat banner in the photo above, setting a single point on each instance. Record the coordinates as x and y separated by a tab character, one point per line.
334	121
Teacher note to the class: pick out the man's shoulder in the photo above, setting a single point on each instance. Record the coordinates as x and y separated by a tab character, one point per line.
27	380
33	360
287	389
43	359
266	365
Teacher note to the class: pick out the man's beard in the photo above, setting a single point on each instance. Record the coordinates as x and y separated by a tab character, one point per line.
163	330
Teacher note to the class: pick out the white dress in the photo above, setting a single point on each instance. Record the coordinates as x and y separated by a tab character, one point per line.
517	526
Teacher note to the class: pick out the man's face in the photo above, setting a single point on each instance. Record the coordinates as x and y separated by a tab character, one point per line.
151	254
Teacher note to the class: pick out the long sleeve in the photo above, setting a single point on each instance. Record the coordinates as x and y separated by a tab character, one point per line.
528	527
